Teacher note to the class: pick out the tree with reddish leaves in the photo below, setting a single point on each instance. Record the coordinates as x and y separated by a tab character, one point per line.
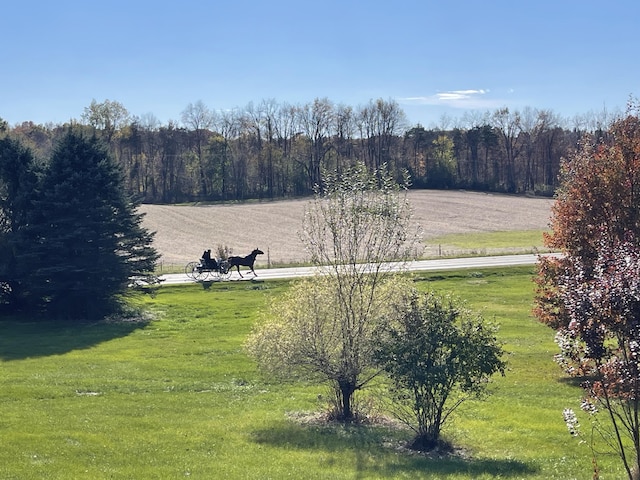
591	295
598	201
601	343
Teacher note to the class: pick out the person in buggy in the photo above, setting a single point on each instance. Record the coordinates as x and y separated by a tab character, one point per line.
208	262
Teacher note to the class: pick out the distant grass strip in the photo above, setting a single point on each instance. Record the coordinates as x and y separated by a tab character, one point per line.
177	397
507	239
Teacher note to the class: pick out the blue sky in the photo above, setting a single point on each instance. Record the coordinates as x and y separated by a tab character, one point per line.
437	59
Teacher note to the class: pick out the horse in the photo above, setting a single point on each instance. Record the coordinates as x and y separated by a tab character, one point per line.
247	261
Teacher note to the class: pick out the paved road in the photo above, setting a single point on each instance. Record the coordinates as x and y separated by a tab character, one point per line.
417	266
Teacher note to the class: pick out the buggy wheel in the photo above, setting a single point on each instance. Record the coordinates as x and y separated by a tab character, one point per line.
195	271
189	269
225	270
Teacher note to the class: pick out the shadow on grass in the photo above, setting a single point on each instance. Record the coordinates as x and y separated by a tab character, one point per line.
374	452
19	339
576	381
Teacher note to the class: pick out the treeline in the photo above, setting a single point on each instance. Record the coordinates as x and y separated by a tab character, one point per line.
278	150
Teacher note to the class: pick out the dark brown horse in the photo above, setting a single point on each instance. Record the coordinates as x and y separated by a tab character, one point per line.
247	261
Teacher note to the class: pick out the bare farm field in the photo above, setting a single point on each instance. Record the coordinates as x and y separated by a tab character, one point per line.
184	231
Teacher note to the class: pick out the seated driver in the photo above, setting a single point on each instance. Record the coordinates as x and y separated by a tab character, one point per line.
209	262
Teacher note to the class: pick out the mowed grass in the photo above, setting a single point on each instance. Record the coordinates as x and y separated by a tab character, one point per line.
481	242
176	397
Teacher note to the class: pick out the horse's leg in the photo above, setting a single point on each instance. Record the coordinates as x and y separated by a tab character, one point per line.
238	268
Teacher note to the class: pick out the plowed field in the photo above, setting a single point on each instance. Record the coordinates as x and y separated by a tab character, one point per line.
183	232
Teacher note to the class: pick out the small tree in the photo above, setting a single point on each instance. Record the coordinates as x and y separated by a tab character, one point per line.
437	354
304	334
84	244
357	222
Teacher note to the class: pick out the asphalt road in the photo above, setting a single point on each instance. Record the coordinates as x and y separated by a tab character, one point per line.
416	266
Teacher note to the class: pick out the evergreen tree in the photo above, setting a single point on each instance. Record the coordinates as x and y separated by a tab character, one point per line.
18	185
86	240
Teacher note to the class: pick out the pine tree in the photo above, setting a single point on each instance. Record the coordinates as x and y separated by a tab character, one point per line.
18	185
86	240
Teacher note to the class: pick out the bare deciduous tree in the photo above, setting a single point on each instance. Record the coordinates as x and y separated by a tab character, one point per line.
325	326
200	119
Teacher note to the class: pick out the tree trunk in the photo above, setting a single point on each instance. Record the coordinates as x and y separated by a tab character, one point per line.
345	395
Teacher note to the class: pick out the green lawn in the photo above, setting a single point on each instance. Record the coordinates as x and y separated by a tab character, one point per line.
176	397
483	243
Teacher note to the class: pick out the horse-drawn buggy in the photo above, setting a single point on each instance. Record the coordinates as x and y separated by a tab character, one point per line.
208	268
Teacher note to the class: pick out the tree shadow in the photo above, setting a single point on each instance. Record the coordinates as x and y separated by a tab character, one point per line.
20	339
374	453
576	381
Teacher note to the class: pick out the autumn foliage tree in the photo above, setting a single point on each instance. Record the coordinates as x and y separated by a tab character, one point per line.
591	295
598	201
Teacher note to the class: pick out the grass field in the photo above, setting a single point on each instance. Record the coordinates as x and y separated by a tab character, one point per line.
486	243
503	240
175	396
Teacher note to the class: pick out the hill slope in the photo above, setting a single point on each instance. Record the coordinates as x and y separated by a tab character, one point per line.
183	232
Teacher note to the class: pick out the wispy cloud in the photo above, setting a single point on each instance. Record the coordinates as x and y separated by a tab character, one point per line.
468	99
